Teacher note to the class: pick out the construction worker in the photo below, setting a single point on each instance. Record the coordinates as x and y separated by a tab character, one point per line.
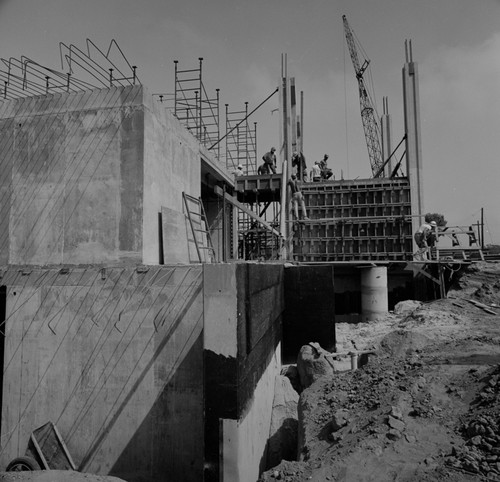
270	159
326	172
297	198
238	171
425	237
299	161
316	172
263	169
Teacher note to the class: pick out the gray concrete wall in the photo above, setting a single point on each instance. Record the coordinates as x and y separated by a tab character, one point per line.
244	303
114	358
310	308
172	165
72	177
84	177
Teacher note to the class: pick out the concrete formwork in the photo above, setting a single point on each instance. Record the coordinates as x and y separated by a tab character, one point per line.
365	219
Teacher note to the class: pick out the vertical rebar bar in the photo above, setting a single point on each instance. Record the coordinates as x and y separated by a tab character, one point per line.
200	99
246	137
175	90
218	121
255	145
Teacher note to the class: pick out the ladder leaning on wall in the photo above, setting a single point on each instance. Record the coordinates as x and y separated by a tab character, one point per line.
199	228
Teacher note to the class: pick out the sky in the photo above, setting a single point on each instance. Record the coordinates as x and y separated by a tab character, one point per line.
456	44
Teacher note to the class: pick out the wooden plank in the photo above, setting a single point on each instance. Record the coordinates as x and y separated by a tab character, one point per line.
482	306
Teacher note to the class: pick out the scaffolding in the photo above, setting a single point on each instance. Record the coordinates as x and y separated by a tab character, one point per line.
193	107
241	141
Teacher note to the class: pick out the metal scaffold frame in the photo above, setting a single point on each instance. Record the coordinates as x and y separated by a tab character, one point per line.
241	140
193	107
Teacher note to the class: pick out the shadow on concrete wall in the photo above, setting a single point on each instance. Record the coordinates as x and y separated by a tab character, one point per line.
156	445
282	445
174	454
126	355
309	309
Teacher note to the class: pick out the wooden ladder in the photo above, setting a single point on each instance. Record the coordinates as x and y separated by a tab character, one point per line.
199	228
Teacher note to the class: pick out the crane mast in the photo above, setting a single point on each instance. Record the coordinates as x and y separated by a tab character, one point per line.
370	125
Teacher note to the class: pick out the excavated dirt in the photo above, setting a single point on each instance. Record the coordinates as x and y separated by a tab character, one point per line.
426	407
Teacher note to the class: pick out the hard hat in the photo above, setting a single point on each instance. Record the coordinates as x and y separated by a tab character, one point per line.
433	223
240	166
273	148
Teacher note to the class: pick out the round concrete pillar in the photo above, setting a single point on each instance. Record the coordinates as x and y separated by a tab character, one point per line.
374	301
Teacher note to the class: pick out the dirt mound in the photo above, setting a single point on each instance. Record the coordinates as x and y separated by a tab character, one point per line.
427	408
402	343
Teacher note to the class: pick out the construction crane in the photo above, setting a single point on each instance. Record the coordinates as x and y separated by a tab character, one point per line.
370	124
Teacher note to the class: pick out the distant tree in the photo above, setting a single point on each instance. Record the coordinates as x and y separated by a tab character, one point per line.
439	218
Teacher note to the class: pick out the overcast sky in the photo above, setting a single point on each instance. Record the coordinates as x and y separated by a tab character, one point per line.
456	44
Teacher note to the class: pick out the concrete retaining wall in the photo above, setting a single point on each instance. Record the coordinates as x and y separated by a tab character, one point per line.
149	373
114	358
243	314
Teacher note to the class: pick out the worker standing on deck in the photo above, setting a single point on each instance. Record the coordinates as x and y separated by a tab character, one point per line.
297	198
326	172
316	172
270	159
425	237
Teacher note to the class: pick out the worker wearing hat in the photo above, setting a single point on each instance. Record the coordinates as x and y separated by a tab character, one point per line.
425	236
269	159
238	171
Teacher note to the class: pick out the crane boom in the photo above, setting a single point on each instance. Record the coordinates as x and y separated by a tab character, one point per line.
370	124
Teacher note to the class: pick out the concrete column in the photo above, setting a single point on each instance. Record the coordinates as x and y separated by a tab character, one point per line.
411	100
374	300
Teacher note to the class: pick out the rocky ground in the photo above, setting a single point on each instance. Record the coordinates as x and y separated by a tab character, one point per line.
426	406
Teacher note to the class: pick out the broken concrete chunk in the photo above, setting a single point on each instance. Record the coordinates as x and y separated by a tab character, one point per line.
312	364
395	423
393	434
406	306
396	412
339	420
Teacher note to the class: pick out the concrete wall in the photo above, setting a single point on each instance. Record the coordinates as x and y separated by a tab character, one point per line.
84	177
114	358
172	165
310	308
243	315
72	177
